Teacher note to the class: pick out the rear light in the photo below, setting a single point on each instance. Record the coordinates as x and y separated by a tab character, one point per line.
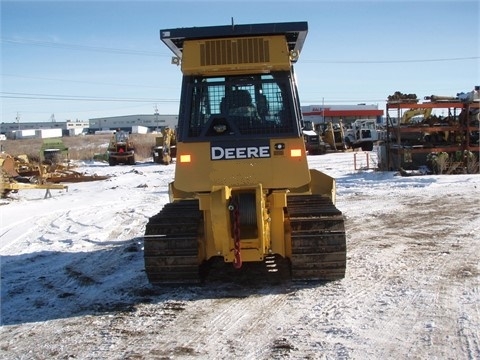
185	158
296	152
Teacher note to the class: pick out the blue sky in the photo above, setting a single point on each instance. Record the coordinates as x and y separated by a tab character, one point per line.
87	59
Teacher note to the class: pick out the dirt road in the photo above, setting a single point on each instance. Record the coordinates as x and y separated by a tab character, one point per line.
411	291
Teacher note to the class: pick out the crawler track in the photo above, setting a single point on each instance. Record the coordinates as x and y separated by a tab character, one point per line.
318	238
171	244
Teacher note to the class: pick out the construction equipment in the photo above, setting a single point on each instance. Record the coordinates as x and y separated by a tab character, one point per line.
334	135
411	141
243	196
165	149
314	143
364	133
53	150
121	150
11	181
409	114
49	171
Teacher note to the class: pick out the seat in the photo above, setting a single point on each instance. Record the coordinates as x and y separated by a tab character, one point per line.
234	101
240	110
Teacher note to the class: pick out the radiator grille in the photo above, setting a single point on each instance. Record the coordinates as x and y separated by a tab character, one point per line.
234	51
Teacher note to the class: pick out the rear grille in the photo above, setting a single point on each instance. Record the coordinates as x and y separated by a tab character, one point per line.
234	51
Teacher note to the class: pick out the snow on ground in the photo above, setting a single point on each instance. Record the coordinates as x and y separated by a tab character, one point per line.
73	284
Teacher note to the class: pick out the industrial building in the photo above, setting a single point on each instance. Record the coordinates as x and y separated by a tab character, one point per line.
322	114
127	122
17	130
20	130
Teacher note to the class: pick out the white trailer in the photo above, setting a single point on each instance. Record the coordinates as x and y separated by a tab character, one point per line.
137	129
48	133
23	134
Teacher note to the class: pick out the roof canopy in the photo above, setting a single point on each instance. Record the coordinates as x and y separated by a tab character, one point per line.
295	33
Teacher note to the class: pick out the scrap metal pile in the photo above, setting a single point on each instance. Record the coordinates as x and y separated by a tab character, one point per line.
19	173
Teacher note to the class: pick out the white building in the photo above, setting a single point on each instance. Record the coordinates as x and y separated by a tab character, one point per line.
40	129
127	122
76	127
6	128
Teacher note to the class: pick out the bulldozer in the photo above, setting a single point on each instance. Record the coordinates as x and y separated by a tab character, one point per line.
243	199
335	136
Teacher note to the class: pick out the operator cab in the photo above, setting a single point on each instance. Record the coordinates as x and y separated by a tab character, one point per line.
238	80
247	106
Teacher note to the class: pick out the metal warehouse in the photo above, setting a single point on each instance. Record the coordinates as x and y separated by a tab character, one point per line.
151	121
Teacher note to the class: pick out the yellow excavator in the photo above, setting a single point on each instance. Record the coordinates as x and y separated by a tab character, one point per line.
165	149
243	197
409	114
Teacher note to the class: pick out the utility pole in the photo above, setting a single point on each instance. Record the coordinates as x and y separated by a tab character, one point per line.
323	111
156	117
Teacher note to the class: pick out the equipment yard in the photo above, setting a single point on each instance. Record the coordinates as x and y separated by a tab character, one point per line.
73	283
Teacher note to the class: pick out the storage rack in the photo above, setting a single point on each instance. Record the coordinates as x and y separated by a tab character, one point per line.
409	143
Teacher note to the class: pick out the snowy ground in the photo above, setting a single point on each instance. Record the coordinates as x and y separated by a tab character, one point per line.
73	285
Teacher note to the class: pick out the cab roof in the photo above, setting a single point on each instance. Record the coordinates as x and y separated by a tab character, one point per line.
295	34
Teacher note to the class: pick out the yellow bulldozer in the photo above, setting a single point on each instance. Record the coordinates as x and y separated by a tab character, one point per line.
243	195
334	135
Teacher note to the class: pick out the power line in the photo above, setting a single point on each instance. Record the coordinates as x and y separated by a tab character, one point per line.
84	82
9	95
58	45
389	61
